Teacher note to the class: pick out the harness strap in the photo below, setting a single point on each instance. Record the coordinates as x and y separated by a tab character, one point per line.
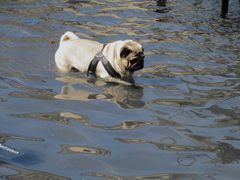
108	67
92	67
111	71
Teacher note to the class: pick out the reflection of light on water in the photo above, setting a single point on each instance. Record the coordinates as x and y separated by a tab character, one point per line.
68	149
8	149
61	117
126	125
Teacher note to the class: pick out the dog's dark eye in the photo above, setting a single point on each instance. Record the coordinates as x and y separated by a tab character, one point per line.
125	52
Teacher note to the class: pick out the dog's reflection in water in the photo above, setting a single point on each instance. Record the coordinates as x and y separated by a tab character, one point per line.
126	95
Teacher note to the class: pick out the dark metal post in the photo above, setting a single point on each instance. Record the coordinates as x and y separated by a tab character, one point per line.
224	8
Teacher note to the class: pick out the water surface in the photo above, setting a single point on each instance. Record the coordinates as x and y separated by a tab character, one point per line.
180	120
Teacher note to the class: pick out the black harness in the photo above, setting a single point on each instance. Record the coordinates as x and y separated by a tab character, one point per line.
108	67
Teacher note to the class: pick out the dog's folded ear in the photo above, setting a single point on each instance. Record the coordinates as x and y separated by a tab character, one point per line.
125	52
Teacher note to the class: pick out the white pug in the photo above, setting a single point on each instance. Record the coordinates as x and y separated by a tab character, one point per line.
123	57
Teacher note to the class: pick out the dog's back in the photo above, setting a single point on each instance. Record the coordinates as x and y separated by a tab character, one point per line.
74	52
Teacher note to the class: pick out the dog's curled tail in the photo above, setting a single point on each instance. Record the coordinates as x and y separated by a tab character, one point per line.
68	36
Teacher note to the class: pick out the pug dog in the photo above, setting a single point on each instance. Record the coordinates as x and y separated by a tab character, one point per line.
124	57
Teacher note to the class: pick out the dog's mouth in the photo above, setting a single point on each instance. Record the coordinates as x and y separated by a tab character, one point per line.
136	65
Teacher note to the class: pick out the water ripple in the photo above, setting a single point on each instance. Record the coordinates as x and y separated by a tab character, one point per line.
126	125
29	91
61	117
15	172
225	153
4	137
152	176
69	149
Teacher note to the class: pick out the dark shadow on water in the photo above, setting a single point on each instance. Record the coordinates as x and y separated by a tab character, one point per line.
161	3
123	93
226	153
28	158
127	96
198	2
162	7
76	1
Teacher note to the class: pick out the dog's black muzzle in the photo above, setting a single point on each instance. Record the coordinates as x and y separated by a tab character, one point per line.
137	64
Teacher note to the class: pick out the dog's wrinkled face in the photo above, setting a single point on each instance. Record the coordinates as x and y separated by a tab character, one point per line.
132	56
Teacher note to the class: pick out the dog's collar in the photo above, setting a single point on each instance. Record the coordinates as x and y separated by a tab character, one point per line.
108	67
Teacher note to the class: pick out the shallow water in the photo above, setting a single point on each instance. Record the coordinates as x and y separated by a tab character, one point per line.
180	121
